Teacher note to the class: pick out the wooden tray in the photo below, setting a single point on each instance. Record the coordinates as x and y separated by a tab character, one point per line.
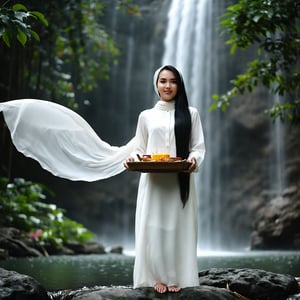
159	166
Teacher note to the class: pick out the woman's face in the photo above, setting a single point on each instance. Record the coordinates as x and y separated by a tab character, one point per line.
167	85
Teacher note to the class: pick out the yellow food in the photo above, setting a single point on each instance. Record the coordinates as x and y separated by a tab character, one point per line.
160	156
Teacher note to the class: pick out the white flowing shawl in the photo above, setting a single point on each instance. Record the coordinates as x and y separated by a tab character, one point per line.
62	141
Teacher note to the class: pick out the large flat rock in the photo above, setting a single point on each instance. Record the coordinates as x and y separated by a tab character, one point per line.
214	284
114	293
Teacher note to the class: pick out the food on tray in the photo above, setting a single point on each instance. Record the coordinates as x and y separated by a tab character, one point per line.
160	156
146	157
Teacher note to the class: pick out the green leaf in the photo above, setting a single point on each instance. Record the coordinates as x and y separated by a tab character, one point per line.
233	49
40	16
19	6
21	15
256	18
259	51
213	106
4	19
6	38
34	35
34	220
22	216
215	97
22	37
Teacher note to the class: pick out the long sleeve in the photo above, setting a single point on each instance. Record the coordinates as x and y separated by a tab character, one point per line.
197	145
141	137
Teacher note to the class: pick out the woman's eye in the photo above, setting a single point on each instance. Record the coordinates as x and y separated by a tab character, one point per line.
165	81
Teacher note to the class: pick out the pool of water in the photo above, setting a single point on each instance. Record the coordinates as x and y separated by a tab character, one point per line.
72	272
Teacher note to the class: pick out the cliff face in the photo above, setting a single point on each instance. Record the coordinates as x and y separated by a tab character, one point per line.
265	178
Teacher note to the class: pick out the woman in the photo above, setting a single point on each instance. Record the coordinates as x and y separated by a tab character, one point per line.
166	213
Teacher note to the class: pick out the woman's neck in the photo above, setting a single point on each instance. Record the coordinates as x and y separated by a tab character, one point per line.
165	105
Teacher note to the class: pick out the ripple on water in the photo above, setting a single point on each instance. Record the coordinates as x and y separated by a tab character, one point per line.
73	272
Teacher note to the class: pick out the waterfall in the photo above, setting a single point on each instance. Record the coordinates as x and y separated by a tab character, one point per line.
191	46
277	157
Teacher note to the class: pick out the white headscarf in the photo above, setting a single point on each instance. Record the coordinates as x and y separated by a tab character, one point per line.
156	74
155	78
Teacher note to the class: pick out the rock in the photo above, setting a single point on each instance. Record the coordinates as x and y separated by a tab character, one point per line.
116	250
251	283
86	248
15	286
52	249
16	244
111	293
216	284
294	297
290	191
277	224
3	254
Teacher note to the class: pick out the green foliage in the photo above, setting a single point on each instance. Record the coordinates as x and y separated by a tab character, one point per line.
74	52
22	206
81	51
286	111
128	7
273	26
16	22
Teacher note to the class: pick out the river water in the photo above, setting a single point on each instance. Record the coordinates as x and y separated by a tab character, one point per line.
73	272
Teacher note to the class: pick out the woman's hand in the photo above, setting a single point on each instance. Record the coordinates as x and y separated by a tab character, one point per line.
129	159
193	165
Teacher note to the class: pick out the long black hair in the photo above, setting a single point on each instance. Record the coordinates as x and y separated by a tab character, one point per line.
182	129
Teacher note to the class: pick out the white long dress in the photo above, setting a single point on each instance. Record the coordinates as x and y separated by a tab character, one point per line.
166	233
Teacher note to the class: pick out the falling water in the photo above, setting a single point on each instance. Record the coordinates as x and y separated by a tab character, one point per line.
277	157
190	45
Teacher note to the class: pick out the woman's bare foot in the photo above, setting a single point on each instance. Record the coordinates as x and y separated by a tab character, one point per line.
160	288
173	289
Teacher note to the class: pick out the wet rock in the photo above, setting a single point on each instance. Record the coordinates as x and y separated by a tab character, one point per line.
117	250
216	284
294	297
277	224
86	248
111	293
251	283
3	254
15	286
14	243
